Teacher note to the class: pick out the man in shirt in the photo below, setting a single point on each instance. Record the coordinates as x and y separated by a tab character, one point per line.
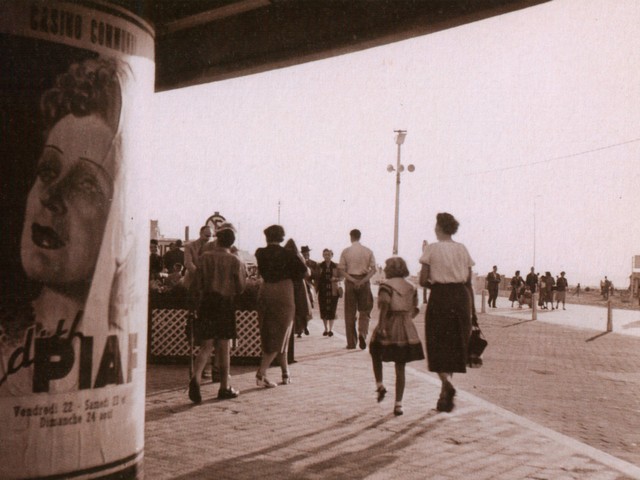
357	265
493	285
155	260
532	280
561	291
192	253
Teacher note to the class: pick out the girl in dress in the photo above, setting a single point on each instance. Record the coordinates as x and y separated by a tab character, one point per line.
395	338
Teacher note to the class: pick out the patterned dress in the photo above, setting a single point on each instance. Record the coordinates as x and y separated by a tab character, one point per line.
395	338
327	290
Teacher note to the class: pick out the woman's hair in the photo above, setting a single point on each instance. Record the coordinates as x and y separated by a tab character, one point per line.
88	88
396	267
274	233
447	223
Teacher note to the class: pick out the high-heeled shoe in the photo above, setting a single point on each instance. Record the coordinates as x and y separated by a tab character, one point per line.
194	391
263	381
286	378
381	393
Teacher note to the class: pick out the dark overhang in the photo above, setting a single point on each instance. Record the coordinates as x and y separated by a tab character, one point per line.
202	41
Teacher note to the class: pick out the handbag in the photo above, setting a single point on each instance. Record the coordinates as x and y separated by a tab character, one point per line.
477	344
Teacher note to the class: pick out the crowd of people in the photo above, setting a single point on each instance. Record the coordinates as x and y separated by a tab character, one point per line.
522	290
213	275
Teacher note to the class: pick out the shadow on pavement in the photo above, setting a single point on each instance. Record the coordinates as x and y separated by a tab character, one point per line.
361	463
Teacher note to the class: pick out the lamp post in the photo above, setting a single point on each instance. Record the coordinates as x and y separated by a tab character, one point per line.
535	206
399	168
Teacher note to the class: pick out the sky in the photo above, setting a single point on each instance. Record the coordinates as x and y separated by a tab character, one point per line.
525	126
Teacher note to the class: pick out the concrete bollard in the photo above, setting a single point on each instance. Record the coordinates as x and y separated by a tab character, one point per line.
609	317
534	306
483	305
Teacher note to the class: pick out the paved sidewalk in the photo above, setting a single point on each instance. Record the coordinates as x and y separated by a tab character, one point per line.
327	425
624	322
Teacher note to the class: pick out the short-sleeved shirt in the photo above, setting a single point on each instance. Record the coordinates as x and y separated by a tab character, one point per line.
357	260
449	262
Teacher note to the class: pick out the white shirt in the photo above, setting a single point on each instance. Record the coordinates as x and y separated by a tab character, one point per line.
357	260
449	262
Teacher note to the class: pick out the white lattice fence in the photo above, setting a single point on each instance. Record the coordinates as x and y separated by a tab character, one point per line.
168	338
248	343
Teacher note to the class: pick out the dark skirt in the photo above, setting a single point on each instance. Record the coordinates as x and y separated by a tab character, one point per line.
216	318
328	304
448	327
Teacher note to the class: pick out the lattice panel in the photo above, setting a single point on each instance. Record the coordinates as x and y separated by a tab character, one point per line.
168	338
248	343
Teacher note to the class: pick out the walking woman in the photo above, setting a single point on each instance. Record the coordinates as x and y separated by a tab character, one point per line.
276	306
395	338
446	270
328	285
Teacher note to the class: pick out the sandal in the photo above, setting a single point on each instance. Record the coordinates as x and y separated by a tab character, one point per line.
263	381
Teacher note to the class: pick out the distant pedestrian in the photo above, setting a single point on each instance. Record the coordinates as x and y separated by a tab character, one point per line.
300	296
577	292
493	285
276	305
446	270
156	265
395	338
328	291
550	284
516	283
357	265
532	280
542	288
561	290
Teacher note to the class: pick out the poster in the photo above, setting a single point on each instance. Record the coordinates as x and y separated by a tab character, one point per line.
74	85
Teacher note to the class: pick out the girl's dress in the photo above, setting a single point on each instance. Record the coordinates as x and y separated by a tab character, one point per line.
395	338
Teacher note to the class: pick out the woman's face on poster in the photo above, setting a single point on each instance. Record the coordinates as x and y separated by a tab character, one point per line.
68	204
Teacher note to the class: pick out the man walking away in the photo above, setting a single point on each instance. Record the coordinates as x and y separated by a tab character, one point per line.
493	285
357	265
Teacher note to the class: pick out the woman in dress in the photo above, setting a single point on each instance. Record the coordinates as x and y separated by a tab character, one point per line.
328	285
301	296
66	215
446	270
279	268
395	338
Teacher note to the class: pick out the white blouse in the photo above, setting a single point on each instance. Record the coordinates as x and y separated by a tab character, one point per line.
449	262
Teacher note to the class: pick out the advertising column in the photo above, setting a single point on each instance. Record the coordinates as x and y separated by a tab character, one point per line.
75	86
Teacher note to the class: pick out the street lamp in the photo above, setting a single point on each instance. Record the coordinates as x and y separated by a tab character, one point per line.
400	136
535	206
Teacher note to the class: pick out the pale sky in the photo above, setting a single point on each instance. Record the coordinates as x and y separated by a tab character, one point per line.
537	110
